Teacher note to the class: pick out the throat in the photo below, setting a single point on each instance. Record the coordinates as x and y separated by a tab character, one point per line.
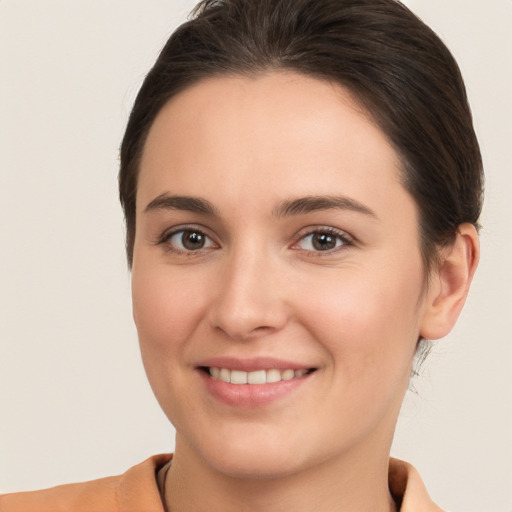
313	489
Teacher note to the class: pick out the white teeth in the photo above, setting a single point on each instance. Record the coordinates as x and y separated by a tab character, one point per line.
225	375
238	377
288	375
256	377
273	375
259	377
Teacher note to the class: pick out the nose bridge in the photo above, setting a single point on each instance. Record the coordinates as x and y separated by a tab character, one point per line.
248	301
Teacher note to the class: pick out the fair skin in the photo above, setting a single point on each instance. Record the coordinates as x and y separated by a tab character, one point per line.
237	267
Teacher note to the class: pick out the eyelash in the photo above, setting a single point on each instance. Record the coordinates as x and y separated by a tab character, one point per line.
345	239
168	235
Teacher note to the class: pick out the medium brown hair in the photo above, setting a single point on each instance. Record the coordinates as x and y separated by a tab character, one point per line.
396	66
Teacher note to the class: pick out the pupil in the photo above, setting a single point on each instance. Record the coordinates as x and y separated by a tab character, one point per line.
324	242
193	241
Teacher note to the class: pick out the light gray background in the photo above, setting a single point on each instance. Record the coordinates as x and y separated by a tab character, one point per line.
74	402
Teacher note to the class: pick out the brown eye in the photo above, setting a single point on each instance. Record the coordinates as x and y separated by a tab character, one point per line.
189	240
192	240
323	241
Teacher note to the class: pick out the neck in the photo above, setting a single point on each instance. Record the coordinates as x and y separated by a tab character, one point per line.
355	483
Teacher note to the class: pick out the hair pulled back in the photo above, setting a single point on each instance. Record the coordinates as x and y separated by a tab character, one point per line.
397	67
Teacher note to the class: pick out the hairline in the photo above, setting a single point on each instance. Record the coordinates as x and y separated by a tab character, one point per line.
430	255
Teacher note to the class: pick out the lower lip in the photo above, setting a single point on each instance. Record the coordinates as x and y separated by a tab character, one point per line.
251	395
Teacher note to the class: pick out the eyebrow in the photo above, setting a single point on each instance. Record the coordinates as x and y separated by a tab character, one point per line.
287	208
310	204
192	204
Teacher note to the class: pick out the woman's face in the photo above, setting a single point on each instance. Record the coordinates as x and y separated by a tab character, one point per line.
275	243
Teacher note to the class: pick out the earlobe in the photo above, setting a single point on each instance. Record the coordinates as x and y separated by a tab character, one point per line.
450	283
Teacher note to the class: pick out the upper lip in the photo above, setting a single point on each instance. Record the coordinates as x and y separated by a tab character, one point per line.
252	364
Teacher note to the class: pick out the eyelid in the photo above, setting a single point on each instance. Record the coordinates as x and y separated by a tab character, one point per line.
347	239
170	232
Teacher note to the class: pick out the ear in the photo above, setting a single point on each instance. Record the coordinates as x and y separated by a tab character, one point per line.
449	283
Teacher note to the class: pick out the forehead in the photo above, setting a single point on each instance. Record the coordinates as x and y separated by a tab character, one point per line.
277	133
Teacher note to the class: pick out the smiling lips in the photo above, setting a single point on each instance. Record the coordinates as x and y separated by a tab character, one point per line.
255	377
253	383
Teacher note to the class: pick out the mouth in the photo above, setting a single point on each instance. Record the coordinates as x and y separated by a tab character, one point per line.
254	382
257	377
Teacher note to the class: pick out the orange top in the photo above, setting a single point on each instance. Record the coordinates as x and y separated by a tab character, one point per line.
137	491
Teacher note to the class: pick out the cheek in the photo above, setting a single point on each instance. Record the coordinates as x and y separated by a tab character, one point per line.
166	311
165	308
368	323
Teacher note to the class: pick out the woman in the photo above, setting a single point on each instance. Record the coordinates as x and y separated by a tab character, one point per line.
302	185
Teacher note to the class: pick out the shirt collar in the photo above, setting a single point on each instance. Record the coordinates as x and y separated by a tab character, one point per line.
408	489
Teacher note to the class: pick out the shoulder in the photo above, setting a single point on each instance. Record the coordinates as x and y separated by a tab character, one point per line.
134	490
137	490
408	489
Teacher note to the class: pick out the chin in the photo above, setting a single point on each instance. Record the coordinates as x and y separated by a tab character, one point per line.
264	456
255	465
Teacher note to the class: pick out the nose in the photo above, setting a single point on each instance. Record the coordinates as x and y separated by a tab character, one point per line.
250	301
